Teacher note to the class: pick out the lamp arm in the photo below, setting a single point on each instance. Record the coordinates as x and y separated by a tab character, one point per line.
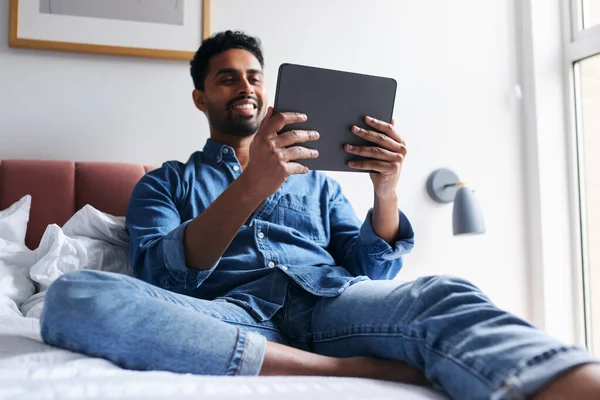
457	184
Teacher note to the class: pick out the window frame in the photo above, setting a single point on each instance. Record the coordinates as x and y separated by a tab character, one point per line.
550	40
579	44
578	17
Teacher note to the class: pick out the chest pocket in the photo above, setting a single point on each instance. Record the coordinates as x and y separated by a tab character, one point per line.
300	213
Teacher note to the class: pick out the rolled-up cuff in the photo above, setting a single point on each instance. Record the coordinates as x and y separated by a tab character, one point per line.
248	355
377	246
174	257
541	370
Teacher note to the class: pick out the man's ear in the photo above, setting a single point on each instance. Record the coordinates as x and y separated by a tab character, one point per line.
199	100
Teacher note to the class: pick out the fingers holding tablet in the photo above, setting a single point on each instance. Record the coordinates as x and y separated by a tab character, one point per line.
274	123
388	153
382	140
384	127
299	153
296	136
374	152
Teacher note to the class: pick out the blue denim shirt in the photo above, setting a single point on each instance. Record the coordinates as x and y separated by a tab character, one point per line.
307	231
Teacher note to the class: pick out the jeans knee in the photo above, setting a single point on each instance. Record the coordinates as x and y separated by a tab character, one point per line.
72	297
439	288
450	281
73	285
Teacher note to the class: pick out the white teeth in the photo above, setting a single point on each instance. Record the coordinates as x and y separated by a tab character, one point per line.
245	106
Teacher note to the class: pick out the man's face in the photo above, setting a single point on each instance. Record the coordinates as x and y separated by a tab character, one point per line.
234	94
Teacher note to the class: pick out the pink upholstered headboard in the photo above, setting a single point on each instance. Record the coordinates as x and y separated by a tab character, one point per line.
60	188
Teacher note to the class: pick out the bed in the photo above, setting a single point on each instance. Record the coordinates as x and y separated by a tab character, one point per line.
77	205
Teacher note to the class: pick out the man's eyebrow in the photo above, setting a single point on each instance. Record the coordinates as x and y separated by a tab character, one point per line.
235	71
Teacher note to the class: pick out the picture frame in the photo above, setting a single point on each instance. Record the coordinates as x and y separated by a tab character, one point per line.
136	28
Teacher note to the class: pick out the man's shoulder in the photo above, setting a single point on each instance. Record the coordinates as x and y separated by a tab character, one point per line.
171	174
171	167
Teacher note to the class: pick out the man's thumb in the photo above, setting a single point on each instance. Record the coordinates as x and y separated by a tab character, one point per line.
267	117
269	113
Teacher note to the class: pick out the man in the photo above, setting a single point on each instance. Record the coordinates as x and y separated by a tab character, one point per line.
251	264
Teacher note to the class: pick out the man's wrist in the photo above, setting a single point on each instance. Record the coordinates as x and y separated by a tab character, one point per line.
248	191
386	200
385	219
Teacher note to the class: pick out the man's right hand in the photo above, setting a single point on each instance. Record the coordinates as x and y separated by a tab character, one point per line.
271	162
272	154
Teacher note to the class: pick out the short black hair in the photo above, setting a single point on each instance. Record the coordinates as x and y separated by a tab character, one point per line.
219	43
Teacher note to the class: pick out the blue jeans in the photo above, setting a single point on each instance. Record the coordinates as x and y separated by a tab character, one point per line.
442	325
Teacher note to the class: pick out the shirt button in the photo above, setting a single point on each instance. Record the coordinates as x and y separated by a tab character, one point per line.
225	150
236	168
283	267
261	235
271	264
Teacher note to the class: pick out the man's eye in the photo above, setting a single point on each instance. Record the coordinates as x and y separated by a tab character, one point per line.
255	80
227	80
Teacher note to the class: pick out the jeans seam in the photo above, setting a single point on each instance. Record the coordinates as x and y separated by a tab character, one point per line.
535	360
246	324
237	368
512	376
436	351
236	360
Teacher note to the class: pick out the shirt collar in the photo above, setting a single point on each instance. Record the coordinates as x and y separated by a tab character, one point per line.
216	150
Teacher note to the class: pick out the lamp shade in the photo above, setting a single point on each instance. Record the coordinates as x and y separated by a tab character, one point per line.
467	217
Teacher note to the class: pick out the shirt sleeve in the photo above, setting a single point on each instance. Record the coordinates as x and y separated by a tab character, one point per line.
156	232
356	246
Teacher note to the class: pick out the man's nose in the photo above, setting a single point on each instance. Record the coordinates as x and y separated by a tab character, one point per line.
246	87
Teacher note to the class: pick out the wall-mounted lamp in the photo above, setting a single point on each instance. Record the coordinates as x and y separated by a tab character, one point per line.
444	186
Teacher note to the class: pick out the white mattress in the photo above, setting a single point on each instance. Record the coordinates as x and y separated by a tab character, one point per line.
30	369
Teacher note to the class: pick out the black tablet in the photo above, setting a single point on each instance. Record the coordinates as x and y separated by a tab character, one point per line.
333	101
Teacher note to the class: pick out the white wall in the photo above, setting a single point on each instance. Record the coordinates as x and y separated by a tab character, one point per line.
456	70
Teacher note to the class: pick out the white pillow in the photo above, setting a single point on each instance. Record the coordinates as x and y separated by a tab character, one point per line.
15	257
8	307
15	261
13	221
95	224
91	239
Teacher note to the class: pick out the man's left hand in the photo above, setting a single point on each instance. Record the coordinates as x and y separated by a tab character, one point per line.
386	157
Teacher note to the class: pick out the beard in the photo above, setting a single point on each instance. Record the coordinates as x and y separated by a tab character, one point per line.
224	121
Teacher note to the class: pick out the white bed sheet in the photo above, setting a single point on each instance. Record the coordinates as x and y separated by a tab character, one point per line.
30	369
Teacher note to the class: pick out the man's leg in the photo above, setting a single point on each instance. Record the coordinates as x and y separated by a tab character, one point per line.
446	327
142	327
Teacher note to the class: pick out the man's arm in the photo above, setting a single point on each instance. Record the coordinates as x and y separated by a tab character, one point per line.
357	247
385	159
271	155
207	236
385	218
374	249
179	255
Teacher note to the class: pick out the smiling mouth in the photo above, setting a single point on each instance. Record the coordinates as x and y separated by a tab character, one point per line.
246	106
245	109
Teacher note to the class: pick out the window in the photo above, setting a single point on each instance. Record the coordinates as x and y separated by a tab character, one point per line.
590	11
583	59
587	85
